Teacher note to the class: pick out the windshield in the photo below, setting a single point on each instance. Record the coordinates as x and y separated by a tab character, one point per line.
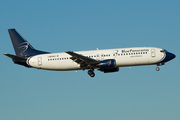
163	50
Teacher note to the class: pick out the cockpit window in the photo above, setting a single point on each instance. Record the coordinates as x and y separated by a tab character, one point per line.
163	50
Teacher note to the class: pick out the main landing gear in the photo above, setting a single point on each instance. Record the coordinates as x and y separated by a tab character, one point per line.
91	73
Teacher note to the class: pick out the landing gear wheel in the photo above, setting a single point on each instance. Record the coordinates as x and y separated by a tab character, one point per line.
91	73
157	68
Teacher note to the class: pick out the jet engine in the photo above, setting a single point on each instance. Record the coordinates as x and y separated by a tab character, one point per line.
108	66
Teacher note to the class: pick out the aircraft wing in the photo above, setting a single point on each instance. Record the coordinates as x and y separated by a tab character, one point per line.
82	60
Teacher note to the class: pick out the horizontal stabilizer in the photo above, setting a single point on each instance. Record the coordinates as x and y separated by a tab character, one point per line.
16	58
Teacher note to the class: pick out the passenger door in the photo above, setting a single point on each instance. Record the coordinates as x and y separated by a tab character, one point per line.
39	61
153	53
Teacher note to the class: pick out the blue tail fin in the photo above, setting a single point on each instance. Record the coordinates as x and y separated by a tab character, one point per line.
21	46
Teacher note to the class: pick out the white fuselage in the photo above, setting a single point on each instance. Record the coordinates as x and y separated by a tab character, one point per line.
123	56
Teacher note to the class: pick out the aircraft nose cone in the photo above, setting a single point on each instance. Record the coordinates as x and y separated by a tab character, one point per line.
170	56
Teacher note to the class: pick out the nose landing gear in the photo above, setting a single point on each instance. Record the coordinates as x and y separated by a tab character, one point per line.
157	68
91	73
159	64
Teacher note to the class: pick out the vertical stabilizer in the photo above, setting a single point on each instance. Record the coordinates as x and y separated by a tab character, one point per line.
21	46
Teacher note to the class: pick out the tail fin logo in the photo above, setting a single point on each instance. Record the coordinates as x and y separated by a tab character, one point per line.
24	46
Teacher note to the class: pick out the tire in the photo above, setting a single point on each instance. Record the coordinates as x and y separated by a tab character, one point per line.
91	73
157	68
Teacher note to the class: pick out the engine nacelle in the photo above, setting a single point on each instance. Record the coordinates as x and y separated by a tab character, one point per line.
108	66
115	69
110	63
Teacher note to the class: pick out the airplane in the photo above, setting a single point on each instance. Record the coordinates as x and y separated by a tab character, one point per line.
107	60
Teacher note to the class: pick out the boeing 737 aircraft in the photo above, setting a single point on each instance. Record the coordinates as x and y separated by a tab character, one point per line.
108	60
